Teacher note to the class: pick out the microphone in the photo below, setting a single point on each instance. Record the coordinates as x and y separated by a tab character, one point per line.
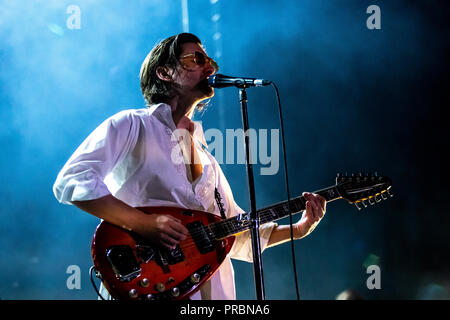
221	81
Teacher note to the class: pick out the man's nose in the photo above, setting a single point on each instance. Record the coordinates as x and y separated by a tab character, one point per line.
209	69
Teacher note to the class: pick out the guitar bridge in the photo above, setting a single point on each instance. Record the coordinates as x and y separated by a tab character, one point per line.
164	258
145	252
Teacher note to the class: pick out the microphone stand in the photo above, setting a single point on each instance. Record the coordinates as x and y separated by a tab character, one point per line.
254	219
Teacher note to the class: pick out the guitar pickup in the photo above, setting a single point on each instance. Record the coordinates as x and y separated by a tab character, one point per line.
202	239
162	261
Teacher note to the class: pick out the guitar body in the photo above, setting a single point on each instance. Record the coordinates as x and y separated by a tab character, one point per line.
131	267
134	268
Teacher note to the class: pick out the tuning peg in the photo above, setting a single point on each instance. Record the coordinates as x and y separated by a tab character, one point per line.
389	193
383	195
364	204
357	206
371	202
377	198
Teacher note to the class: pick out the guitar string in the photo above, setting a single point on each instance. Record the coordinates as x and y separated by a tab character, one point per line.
221	229
266	215
231	226
221	233
272	213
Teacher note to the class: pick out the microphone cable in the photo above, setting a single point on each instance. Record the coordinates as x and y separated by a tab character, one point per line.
287	189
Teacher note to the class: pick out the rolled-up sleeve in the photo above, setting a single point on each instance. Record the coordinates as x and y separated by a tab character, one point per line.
83	175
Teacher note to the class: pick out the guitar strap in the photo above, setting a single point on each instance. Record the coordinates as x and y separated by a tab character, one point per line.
218	197
219	203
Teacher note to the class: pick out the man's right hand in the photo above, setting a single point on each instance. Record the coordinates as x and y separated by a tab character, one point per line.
162	229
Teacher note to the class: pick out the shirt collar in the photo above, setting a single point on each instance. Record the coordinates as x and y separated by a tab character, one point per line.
163	113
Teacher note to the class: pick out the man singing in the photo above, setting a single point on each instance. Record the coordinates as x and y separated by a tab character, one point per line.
128	162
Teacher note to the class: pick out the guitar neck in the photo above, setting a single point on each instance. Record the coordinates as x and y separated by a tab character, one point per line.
240	223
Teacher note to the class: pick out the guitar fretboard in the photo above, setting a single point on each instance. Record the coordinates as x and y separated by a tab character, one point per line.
240	223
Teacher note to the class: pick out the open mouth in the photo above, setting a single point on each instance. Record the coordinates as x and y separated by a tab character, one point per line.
204	86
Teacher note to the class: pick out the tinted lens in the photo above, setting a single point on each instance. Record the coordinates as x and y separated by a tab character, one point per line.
193	61
200	58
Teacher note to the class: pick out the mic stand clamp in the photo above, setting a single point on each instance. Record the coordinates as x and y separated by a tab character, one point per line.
254	219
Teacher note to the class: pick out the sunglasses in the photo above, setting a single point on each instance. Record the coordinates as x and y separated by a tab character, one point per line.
193	61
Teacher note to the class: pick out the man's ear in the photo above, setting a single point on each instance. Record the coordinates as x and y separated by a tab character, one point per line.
164	73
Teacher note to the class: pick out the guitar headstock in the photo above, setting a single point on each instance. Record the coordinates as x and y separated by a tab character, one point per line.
359	188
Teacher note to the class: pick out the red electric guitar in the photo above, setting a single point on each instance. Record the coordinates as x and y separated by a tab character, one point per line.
132	268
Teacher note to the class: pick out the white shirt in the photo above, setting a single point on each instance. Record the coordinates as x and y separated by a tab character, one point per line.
133	156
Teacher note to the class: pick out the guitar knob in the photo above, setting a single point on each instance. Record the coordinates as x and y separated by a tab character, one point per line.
133	293
144	283
149	297
175	292
160	287
195	277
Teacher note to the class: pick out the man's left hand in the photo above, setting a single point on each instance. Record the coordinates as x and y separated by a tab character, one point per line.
315	210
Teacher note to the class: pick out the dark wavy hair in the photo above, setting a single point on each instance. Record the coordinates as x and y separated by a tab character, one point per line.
165	53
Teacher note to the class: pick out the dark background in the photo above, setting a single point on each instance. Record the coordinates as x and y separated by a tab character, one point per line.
353	100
